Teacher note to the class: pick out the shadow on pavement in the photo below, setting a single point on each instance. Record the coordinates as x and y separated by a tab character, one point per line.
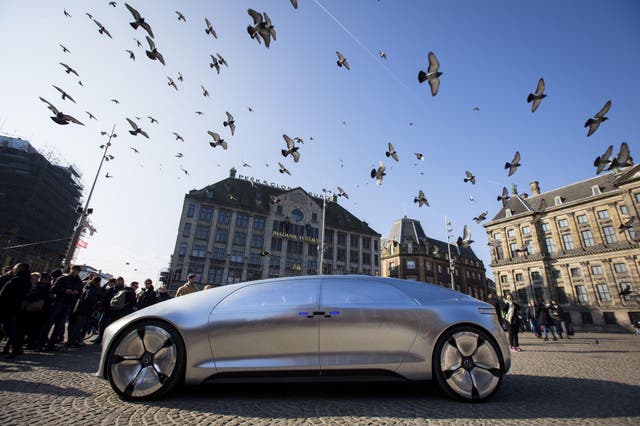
535	396
22	386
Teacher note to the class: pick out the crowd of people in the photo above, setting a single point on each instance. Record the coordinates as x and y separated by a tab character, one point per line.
36	308
540	318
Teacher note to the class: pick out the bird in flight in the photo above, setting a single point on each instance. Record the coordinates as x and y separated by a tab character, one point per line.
65	95
136	130
294	3
199	112
623	159
292	149
178	137
465	240
113	3
594	123
102	29
139	21
482	216
67	14
504	197
221	60
537	97
186	172
470	177
205	92
275	200
342	61
138	42
262	26
283	169
514	164
153	53
382	54
391	152
432	75
230	122
91	116
209	29
214	64
134	150
341	193
179	155
476	108
64	49
132	55
172	83
69	70
421	199
181	17
60	117
378	173
217	141
601	161
153	120
108	176
419	156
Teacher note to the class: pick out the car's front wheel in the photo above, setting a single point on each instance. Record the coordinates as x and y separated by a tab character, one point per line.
467	364
146	360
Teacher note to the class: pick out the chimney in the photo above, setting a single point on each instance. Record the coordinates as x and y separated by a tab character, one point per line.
232	172
535	188
514	189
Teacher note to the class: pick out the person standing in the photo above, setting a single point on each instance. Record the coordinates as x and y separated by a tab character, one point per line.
532	311
13	293
148	296
544	319
83	309
163	294
108	314
188	287
512	317
556	316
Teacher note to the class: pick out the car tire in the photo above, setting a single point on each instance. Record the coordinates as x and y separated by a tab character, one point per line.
468	364
146	360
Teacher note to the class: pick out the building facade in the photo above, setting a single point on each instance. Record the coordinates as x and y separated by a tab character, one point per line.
38	202
568	244
243	229
409	254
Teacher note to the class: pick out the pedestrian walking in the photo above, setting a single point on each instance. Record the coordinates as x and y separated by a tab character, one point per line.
556	316
188	287
13	293
512	316
532	309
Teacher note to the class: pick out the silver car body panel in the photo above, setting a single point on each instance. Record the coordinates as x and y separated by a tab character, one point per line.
319	324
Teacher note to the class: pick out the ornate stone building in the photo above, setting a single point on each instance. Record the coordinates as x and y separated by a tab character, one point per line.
225	229
568	244
409	254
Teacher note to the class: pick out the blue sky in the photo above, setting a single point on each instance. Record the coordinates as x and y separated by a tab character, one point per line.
491	53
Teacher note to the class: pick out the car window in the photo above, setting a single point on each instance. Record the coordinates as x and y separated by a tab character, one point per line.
272	295
362	292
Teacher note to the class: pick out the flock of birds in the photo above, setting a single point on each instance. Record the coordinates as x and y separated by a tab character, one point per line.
263	30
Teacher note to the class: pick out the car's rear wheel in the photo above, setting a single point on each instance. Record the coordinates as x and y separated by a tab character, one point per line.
146	360
467	364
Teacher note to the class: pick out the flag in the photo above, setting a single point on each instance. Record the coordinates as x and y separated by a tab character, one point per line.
82	244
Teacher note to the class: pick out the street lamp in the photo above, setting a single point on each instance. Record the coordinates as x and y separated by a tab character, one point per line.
448	230
85	211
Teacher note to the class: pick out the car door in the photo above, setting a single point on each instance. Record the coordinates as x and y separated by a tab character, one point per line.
368	324
267	326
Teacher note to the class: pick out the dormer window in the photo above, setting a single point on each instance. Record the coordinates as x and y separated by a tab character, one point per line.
595	190
557	200
507	212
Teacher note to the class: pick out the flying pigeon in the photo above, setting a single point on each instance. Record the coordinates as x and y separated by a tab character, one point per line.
283	169
153	120
522	249
294	3
132	55
341	193
67	14
179	155
89	15
134	150
178	137
299	140
136	130
221	60
65	95
205	92
537	97
245	164
482	216
108	157
250	109
292	149
541	207
80	83
180	77
514	164
473	200
138	42
181	17
275	200
102	29
186	172
230	122
64	49
594	123
139	21
172	83
476	109
465	240
199	112
342	61
264	253
115	101
626	291
382	54
421	199
623	159
378	173
391	152
209	29
60	117
108	176
432	74
216	140
262	27
470	177
629	224
69	70
504	197
113	3
153	53
419	156
601	161
91	116
214	64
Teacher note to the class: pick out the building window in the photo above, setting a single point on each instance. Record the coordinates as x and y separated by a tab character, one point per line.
259	223
342	238
215	275
581	293
586	317
529	245
206	214
237	256
376	261
312	267
224	217
609	317
562	296
255	259
587	238
353	241
293	264
582	218
341	255
549	243
411	264
576	272
545	227
366	258
257	241
603	292
314	217
620	268
511	233
202	232
294	247
603	214
637	197
239	238
279	210
353	256
218	253
499	253
191	210
567	241
274	262
375	245
504	279
276	244
557	200
182	251
186	230
563	223
623	287
526	230
409	247
595	190
497	236
624	210
519	277
222	235
440	269
235	276
242	220
198	270
596	270
609	234
513	247
507	213
312	250
535	275
366	243
556	273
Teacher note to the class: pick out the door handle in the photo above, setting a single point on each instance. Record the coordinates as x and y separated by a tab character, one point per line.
318	313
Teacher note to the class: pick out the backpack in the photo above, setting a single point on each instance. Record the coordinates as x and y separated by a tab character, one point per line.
119	300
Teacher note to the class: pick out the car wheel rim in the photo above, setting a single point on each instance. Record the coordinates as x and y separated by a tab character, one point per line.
470	365
143	361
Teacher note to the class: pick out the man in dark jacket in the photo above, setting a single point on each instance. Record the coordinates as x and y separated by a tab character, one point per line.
148	296
163	294
12	295
108	314
67	290
83	309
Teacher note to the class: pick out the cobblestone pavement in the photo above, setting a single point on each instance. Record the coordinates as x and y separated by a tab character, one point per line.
568	382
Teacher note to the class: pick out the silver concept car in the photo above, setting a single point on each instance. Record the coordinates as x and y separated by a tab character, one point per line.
312	327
